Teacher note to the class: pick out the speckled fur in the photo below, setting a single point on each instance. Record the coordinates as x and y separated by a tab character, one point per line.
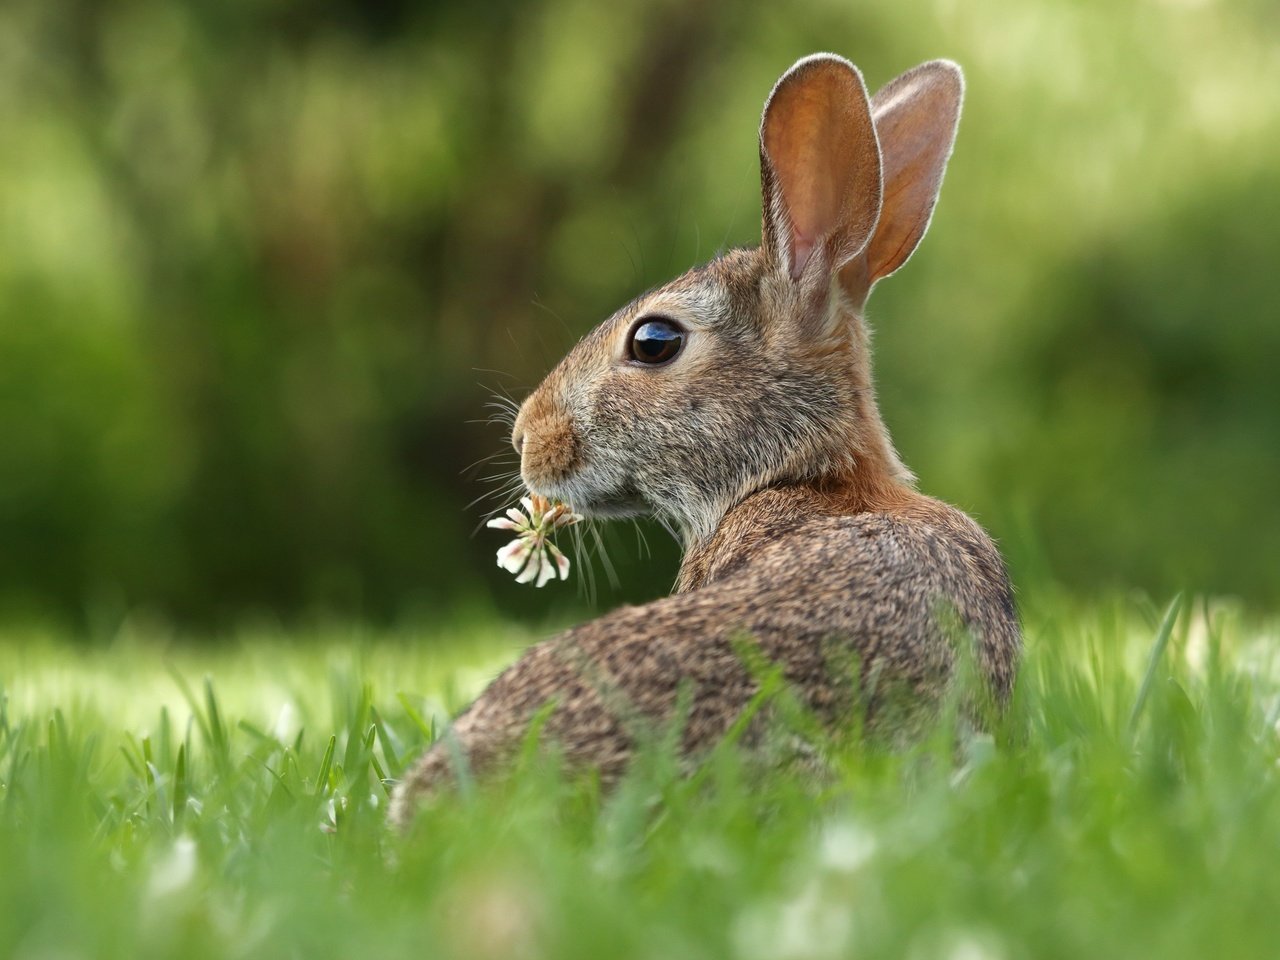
763	445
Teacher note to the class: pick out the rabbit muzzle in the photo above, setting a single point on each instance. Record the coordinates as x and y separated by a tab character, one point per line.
554	462
547	441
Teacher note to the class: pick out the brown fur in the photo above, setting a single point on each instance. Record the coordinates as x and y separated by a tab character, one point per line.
763	444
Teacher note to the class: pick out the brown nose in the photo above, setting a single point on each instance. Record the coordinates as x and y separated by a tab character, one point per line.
544	437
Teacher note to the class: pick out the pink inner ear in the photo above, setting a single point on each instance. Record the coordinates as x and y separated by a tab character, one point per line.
800	255
824	162
805	145
915	117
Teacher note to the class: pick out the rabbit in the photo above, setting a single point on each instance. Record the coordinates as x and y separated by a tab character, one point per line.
736	403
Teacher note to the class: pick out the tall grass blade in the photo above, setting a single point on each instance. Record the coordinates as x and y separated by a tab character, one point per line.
180	786
322	777
1153	661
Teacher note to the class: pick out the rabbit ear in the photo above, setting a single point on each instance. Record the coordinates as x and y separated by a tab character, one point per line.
819	167
916	117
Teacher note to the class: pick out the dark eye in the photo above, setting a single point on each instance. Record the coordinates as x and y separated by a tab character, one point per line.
655	341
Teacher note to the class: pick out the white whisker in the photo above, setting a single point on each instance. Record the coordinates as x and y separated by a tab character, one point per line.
609	571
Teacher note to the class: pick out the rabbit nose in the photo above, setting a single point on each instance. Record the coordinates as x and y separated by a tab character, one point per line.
518	431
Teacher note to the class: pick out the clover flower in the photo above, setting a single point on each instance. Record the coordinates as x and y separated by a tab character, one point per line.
531	555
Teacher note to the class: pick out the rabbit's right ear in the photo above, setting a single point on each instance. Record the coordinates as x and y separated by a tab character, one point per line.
819	170
916	116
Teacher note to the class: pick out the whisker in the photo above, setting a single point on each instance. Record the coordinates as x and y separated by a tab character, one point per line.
499	418
483	460
496	373
504	495
610	572
509	485
642	542
500	402
496	501
556	315
587	583
666	525
635	235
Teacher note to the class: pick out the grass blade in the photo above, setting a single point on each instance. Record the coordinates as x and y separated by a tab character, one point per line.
322	778
388	749
1153	661
180	786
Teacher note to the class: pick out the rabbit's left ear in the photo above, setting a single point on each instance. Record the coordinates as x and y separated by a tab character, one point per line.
819	168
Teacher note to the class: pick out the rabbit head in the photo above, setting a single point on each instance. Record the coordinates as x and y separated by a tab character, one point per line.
754	370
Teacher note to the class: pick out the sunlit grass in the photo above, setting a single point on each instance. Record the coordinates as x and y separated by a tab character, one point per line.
173	800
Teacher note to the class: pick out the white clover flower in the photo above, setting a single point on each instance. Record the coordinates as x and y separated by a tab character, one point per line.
531	555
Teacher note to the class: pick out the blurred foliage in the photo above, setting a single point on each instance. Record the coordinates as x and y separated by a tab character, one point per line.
257	259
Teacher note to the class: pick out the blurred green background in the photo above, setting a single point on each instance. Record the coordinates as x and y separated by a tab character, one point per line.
261	263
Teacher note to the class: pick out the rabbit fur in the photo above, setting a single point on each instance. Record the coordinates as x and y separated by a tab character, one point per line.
762	444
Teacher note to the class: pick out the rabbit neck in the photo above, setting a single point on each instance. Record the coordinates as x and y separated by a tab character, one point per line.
777	510
859	471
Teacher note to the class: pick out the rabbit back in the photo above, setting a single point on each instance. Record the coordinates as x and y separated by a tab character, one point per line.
861	614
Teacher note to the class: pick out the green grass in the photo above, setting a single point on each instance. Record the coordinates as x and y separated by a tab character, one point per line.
161	799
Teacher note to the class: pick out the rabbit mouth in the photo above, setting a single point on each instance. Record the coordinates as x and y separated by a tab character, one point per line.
591	500
615	508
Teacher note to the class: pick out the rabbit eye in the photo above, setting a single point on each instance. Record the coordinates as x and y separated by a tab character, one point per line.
655	341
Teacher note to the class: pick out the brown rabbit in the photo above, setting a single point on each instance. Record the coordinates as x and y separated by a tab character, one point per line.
736	403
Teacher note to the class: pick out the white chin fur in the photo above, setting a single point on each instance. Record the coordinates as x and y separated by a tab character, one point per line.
585	495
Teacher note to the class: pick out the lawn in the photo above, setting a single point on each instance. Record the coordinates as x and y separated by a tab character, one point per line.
164	798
